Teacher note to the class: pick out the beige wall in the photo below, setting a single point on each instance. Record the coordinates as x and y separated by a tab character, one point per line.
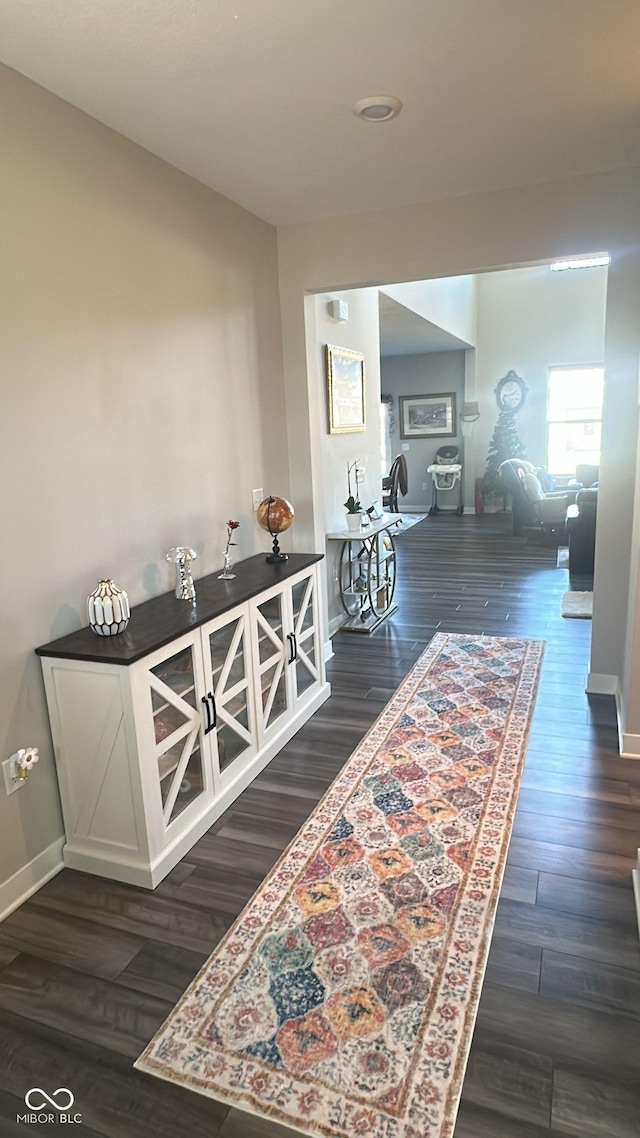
142	373
630	693
463	236
529	320
450	302
455	237
142	395
616	606
360	333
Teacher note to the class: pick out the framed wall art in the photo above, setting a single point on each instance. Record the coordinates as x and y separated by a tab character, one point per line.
345	390
428	416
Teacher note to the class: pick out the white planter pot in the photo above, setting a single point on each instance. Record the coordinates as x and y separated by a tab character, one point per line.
353	522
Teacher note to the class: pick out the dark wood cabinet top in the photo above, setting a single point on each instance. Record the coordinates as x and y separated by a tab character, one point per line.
159	621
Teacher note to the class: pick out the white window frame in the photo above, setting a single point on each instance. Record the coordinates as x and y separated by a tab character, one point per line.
549	422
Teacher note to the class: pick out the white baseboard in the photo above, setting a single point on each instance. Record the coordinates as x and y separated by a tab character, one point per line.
328	650
335	624
469	509
30	878
635	874
629	745
600	684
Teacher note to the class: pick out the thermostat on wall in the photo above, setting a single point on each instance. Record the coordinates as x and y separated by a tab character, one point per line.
339	309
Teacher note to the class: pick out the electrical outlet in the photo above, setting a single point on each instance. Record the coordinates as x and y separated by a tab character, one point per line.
360	473
405	446
424	485
11	784
258	496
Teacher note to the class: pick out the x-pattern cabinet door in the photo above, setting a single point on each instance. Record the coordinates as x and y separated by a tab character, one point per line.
230	691
272	649
304	614
179	767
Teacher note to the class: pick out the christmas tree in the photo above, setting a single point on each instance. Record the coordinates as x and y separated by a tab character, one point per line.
505	443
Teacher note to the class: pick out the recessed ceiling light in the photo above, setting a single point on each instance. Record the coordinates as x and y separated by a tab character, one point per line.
377	108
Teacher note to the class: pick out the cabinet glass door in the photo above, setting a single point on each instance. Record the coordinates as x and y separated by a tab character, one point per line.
272	651
176	725
230	684
303	600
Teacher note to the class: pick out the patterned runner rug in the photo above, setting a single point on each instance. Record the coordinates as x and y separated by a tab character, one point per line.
342	1001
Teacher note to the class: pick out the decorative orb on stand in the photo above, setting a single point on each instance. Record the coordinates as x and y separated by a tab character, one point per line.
275	515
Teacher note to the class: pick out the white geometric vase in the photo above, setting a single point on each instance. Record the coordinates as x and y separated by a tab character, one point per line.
108	609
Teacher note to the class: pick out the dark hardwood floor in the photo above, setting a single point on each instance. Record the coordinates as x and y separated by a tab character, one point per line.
90	968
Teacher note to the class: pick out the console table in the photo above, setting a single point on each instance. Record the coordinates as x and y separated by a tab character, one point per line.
156	731
367	573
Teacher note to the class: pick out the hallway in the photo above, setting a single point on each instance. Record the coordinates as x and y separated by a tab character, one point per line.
90	968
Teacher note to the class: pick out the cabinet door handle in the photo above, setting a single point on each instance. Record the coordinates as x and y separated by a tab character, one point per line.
205	701
292	654
295	647
214	721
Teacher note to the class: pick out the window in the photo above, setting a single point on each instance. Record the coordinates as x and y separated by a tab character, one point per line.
574	415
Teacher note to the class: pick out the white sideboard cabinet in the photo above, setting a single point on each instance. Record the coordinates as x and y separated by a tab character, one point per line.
156	731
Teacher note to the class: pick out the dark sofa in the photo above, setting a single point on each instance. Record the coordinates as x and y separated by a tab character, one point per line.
581	532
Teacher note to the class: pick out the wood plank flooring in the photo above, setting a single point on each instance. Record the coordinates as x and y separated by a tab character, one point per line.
89	968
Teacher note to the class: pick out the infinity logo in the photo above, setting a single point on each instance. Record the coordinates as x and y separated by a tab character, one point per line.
49	1099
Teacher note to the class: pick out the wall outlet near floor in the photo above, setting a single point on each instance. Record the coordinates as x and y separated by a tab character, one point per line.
11	784
258	496
425	485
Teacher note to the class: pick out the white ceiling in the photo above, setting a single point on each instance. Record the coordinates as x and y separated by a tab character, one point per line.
405	333
253	97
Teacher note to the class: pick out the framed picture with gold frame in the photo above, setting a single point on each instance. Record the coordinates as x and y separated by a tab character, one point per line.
345	390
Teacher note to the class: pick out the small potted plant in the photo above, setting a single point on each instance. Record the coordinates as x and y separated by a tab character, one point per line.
352	504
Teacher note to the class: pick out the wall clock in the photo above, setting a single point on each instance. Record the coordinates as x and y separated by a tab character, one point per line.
511	392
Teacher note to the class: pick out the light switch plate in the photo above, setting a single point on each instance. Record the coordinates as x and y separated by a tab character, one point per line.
258	496
11	784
